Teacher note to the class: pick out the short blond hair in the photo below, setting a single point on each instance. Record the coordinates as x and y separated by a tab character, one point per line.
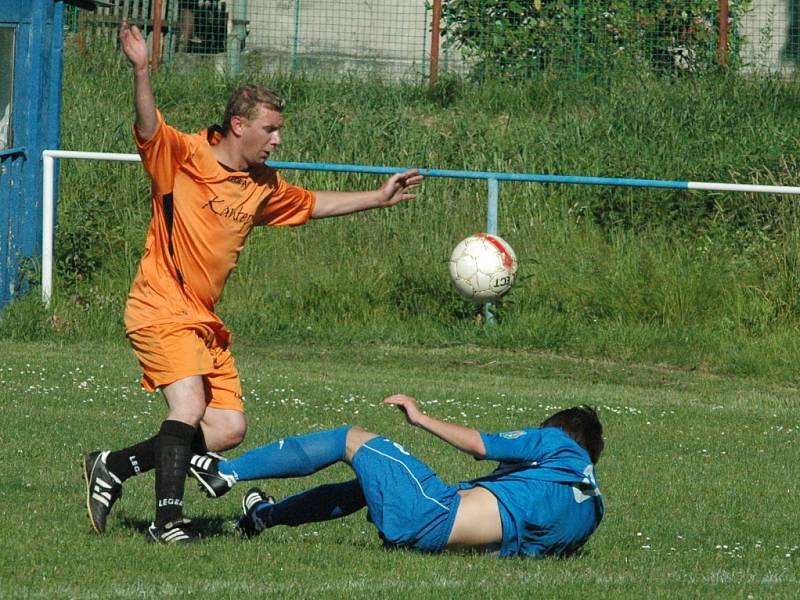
245	101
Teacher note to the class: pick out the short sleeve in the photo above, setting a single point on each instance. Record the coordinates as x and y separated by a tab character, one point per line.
162	154
287	205
524	445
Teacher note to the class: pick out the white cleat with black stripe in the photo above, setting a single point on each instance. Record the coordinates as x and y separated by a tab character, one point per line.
205	468
103	488
176	532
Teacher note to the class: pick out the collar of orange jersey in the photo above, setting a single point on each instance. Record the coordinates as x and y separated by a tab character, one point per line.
214	134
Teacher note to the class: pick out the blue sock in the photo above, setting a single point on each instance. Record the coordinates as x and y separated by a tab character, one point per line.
321	503
290	457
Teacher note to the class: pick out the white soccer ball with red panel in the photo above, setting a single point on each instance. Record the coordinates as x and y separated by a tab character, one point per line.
483	267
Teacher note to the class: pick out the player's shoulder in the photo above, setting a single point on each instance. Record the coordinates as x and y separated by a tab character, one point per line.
552	432
560	443
515	434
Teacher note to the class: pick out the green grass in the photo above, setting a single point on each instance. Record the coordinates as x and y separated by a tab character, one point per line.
699	476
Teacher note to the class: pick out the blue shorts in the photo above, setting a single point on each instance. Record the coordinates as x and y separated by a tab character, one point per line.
407	502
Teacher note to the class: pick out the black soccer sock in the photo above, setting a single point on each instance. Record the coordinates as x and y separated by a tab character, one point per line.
322	503
133	460
199	441
172	451
141	458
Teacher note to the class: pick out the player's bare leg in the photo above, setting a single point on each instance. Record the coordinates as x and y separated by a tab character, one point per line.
356	438
223	429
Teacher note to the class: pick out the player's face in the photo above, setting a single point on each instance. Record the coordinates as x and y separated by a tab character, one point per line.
261	135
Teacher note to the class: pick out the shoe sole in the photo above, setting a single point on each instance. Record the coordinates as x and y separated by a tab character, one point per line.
207	489
88	468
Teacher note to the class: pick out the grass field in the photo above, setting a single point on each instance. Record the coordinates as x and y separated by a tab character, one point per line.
677	313
699	474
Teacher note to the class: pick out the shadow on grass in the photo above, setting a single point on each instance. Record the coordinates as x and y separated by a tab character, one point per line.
207	527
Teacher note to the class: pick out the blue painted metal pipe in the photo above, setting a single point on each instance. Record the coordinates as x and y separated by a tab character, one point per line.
571	179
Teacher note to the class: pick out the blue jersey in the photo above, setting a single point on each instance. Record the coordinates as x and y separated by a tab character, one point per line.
546	491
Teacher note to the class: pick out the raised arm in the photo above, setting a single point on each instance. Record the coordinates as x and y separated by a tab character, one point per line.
134	46
465	439
394	190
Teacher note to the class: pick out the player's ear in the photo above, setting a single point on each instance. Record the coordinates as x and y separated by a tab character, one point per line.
237	124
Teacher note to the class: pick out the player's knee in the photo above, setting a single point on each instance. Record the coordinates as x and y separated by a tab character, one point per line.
356	437
225	435
236	437
236	433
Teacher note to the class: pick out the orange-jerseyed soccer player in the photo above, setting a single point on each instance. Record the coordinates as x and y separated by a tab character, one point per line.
209	190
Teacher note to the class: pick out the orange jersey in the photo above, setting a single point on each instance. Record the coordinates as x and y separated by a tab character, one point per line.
202	214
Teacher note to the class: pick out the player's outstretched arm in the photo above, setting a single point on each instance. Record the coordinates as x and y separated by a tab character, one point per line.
134	46
465	439
396	189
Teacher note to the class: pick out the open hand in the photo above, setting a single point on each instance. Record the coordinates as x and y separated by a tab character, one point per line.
408	406
133	45
396	189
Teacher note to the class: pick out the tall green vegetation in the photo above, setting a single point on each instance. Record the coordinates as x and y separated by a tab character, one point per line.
694	279
517	39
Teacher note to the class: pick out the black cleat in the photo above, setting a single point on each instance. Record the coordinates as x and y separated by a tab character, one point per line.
103	488
205	468
176	532
250	525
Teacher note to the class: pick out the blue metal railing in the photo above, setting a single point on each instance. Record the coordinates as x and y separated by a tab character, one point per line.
493	179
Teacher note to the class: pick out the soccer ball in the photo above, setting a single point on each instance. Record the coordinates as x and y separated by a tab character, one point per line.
483	267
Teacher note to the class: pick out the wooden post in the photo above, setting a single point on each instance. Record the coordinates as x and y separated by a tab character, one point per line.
435	35
155	57
722	47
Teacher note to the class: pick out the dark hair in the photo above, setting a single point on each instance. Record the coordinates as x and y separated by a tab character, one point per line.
582	424
245	101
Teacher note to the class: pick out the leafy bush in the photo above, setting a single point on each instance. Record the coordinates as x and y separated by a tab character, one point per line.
519	38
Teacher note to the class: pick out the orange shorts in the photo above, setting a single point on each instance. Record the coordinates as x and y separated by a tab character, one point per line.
174	351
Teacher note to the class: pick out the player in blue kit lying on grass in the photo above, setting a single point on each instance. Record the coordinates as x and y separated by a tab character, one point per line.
542	499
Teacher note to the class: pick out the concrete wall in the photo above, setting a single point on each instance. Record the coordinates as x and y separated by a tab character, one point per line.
766	29
351	34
